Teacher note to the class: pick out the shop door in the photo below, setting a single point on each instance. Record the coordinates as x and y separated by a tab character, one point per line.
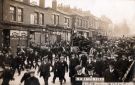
58	38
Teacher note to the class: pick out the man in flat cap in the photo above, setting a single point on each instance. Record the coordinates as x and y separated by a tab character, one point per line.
79	73
32	80
26	75
111	74
44	70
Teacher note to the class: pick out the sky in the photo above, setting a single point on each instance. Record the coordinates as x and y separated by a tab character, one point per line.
116	10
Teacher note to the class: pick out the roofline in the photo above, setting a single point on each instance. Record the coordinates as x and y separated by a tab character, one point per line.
49	8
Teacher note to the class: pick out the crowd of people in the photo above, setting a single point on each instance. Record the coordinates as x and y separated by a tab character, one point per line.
101	58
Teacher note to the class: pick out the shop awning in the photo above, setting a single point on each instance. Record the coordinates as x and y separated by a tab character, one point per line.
57	28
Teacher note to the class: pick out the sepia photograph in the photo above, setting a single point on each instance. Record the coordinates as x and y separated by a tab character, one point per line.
67	42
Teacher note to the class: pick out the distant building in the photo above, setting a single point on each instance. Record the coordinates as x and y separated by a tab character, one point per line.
122	29
86	23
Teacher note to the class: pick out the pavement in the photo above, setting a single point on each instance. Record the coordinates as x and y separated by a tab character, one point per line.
18	78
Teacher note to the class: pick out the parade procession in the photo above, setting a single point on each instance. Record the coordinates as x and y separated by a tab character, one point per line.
65	45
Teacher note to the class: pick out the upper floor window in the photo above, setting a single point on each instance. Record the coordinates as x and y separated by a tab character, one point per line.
86	24
12	13
55	19
77	21
20	14
67	20
90	22
81	22
32	18
36	18
41	19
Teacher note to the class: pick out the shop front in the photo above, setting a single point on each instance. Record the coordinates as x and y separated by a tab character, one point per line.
18	38
16	34
58	34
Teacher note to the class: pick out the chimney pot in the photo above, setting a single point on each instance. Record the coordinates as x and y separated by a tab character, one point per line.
42	3
54	4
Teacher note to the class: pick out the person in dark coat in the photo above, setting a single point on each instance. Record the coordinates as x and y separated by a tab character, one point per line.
26	75
44	70
123	65
22	59
90	70
111	74
84	60
16	64
55	69
32	80
62	68
73	63
36	57
31	58
2	59
99	67
7	75
50	56
79	73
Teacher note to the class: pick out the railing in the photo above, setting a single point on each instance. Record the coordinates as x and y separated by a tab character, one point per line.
128	71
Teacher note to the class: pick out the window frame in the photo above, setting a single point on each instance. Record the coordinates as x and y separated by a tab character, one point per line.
55	19
67	21
12	13
41	18
36	18
21	14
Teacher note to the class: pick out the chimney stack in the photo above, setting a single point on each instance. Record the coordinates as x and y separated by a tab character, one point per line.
54	4
42	3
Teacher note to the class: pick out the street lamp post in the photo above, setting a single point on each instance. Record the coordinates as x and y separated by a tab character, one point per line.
66	26
40	37
72	32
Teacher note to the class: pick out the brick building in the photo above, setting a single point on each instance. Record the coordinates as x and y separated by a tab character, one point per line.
84	22
23	22
18	21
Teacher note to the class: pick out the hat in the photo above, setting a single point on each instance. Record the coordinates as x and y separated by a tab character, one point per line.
112	63
7	65
56	58
45	57
62	57
89	67
27	67
32	71
78	67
